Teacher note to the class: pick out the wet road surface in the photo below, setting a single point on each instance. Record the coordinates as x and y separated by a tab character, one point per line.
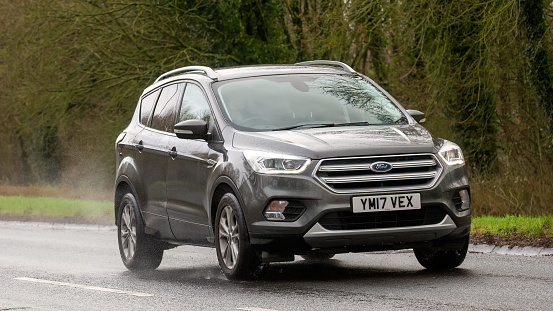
80	269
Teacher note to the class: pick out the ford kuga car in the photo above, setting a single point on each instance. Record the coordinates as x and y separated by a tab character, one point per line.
268	162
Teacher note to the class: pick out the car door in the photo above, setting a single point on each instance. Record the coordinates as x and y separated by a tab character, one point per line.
188	172
152	144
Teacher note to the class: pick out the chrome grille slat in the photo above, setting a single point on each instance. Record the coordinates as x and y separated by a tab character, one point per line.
337	168
404	164
384	177
354	175
414	164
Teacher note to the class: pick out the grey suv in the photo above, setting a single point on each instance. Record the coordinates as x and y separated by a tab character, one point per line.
268	162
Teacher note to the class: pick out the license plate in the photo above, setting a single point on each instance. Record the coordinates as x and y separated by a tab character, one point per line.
393	202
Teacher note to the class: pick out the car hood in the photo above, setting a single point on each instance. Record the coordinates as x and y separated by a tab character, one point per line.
318	143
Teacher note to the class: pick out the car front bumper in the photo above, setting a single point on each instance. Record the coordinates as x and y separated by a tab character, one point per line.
307	234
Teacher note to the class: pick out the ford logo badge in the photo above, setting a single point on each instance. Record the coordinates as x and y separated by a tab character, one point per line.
381	167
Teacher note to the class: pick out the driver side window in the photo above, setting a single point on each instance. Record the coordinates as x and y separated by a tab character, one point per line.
194	104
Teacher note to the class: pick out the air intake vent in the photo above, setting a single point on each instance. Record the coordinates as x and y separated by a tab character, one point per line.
294	210
428	215
457	201
379	173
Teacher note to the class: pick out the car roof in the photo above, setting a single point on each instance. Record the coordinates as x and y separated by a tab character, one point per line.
228	73
265	70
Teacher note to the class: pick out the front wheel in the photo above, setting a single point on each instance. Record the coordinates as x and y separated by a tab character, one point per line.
138	250
442	260
237	258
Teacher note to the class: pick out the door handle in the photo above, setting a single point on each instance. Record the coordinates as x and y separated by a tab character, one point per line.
173	152
139	146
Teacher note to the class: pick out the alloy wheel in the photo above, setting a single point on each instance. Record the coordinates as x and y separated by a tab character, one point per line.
229	237
128	232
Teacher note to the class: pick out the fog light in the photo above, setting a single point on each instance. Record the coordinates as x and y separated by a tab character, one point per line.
465	198
275	210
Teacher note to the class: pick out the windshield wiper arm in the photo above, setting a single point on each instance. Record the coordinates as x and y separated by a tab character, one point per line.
306	125
352	123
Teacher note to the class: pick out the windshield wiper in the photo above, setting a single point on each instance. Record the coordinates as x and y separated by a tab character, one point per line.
315	125
306	125
352	123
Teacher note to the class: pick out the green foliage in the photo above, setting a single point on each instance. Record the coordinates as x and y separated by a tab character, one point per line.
55	207
251	31
511	224
538	53
85	63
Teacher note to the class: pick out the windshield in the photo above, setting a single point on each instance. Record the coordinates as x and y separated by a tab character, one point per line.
294	101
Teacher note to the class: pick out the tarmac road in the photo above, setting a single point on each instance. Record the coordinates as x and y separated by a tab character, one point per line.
80	269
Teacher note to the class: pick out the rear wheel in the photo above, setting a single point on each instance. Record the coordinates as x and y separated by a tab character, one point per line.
138	250
237	258
442	260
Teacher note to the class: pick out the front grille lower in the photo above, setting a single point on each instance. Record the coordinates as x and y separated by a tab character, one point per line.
350	175
293	210
457	201
427	215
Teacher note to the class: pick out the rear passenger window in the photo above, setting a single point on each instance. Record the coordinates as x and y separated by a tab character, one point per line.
166	108
146	106
194	105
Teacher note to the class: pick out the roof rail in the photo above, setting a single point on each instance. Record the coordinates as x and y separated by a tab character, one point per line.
208	72
327	63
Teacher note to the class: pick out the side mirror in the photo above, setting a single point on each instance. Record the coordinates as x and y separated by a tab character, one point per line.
417	115
192	129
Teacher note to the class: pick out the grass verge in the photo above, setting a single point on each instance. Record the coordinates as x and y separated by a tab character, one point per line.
513	230
31	207
56	191
508	225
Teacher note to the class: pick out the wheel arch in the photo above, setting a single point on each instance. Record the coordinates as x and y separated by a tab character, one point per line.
123	187
222	186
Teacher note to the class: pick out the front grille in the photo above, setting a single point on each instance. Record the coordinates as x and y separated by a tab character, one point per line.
427	215
348	175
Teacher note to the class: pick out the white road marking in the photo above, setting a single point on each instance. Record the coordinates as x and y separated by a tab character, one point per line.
102	289
255	309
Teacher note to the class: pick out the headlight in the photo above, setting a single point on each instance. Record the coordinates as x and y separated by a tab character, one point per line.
451	153
274	163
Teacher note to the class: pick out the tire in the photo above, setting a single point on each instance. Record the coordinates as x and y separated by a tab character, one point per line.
317	257
237	258
139	251
442	260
